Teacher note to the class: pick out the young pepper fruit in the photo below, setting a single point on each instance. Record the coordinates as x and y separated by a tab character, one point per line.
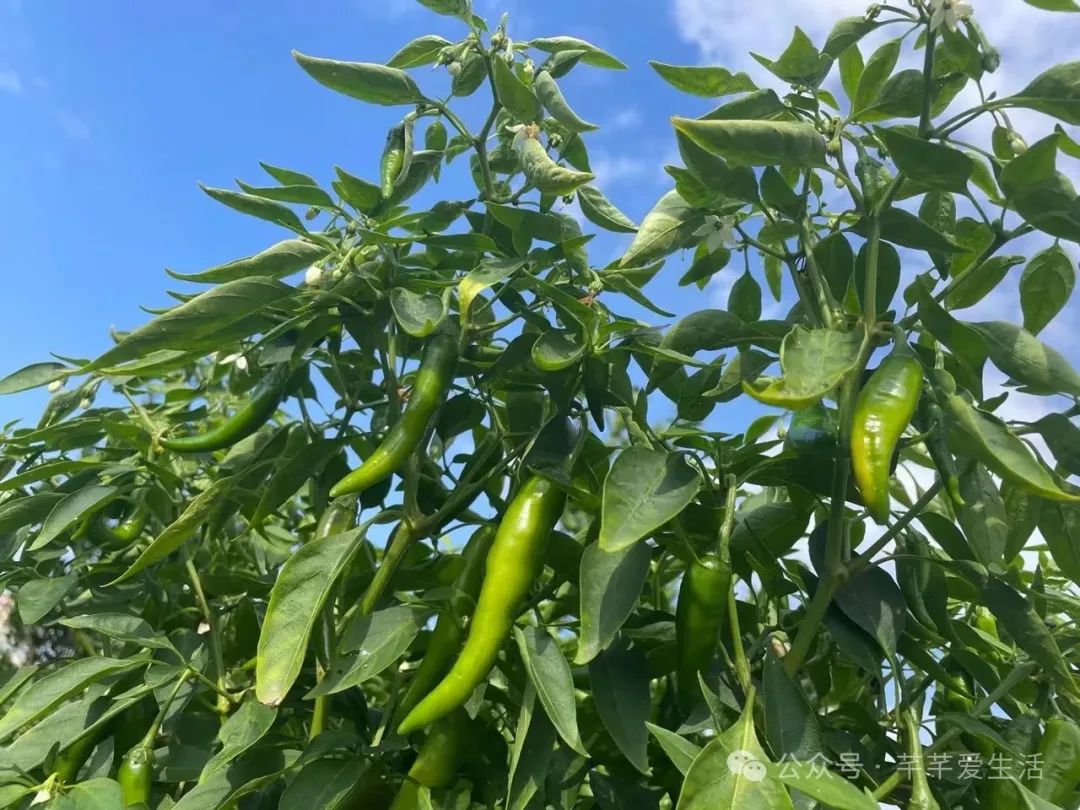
432	381
699	617
1059	751
514	562
883	410
443	751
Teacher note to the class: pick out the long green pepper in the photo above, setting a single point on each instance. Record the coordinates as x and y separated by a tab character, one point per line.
430	386
699	617
1059	751
513	564
450	627
252	416
442	753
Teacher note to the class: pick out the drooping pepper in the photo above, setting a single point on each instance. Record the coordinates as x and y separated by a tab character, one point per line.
515	560
543	172
252	416
1059	757
450	627
136	776
699	617
883	409
120	535
430	385
70	761
393	165
443	751
921	796
931	420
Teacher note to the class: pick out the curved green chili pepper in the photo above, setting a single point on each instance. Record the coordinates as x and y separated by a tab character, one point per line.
450	627
339	516
392	164
122	533
699	617
442	753
246	420
70	761
544	173
883	409
1060	761
931	420
514	562
432	381
921	796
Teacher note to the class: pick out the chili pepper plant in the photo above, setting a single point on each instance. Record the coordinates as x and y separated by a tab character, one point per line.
464	520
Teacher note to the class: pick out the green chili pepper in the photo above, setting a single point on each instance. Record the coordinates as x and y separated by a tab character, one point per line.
70	761
450	628
392	166
120	535
1022	734
699	617
515	560
1059	752
429	389
872	175
339	516
883	409
443	751
931	420
244	422
921	796
544	173
136	776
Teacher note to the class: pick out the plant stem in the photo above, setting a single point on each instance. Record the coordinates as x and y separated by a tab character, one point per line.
867	557
401	541
223	705
928	83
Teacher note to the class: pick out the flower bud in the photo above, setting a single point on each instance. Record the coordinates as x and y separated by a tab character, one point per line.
55	386
313	276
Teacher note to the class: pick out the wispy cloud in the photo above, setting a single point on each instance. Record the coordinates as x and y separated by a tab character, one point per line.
10	81
616	168
73	126
626	118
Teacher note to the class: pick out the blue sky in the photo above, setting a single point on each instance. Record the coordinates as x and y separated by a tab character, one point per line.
114	112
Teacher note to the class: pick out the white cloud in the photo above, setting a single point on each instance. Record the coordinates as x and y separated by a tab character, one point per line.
627	118
74	127
10	81
611	169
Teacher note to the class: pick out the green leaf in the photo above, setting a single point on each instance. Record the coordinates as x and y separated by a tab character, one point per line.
800	63
758	143
420	51
872	599
94	794
1045	287
679	750
324	784
375	84
847	32
1014	612
1055	92
300	195
32	376
550	676
245	727
851	70
513	94
1027	360
45	694
593	56
301	589
878	68
982	517
257	207
206	322
929	164
39	596
711	82
744	300
491	271
182	529
643	491
70	510
600	211
277	261
907	230
620	684
611	583
288	177
418	314
357	192
530	754
547	90
731	771
670	225
380	640
122	627
981	281
888	275
1059	524
813	362
985	438
791	726
827	787
556	350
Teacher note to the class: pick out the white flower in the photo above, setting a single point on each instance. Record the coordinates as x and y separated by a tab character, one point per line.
237	360
42	796
203	629
717	232
313	276
951	12
55	386
85	403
